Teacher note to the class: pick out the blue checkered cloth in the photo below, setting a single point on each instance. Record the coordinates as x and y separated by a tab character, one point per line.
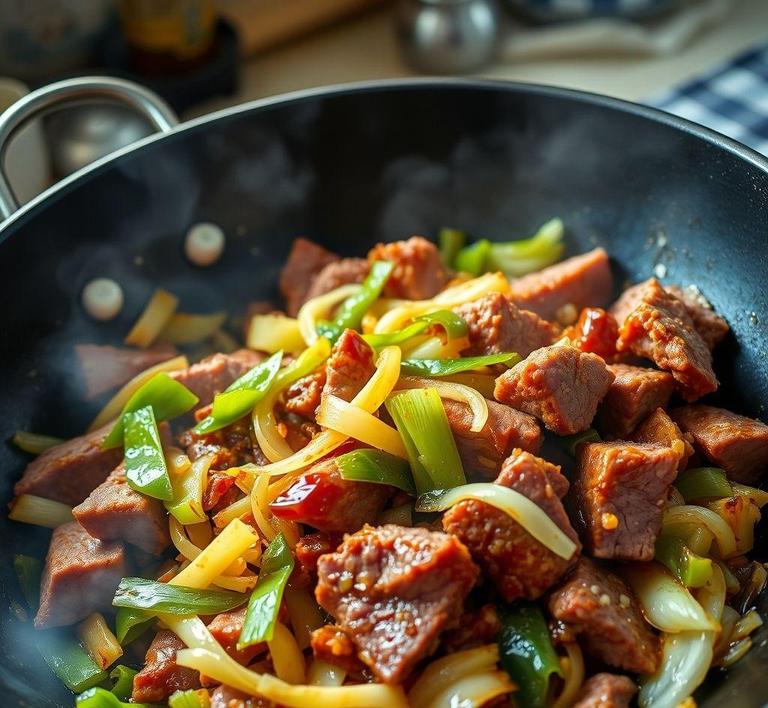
731	99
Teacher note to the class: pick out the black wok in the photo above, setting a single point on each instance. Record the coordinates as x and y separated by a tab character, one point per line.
349	166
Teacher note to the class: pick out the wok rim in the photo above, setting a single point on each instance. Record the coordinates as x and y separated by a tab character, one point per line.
650	113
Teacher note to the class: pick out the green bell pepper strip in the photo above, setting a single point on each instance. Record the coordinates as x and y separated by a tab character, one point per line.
241	396
377	466
516	258
453	325
690	569
122	681
167	397
188	699
448	367
570	443
264	604
526	653
101	698
145	468
162	598
350	313
450	242
420	418
130	624
28	573
472	259
703	483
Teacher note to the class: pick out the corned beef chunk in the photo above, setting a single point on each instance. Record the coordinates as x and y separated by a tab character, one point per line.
734	442
349	366
333	645
659	429
322	498
220	491
336	274
69	472
559	385
226	627
115	512
80	576
634	394
606	691
303	397
601	608
516	563
214	373
393	590
476	627
656	325
418	273
505	430
161	675
230	446
305	261
620	490
707	322
496	325
311	546
581	281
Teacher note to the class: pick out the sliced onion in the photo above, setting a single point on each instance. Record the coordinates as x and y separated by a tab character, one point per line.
473	690
273	332
666	603
184	328
525	512
156	315
287	659
747	624
33	443
455	392
320	308
190	551
336	414
699	516
321	673
573	672
31	509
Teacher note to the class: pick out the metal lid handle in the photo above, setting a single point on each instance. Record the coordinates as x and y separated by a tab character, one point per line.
35	104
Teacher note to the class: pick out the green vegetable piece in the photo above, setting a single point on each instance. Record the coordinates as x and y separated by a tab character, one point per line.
186	699
472	259
162	598
122	681
29	570
516	258
526	653
264	605
241	396
450	242
570	443
420	418
376	466
67	658
145	468
350	314
703	483
167	397
101	698
690	569
131	624
448	367
453	325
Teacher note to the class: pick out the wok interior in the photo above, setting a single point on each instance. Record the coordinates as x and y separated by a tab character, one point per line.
349	168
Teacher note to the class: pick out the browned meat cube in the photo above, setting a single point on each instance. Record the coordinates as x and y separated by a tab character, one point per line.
606	691
220	491
517	564
708	323
634	394
322	498
418	273
305	261
620	489
601	608
560	385
476	627
656	325
336	274
659	429
214	373
734	442
580	281
496	325
69	472
311	546
226	627
115	512
505	430
393	590
334	646
349	366
161	675
80	576
104	367
226	697
230	446
303	397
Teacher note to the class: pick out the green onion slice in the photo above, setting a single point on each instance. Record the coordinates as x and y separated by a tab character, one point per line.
162	598
517	258
145	468
377	466
449	367
122	681
472	259
703	483
101	698
454	326
450	242
690	569
130	624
